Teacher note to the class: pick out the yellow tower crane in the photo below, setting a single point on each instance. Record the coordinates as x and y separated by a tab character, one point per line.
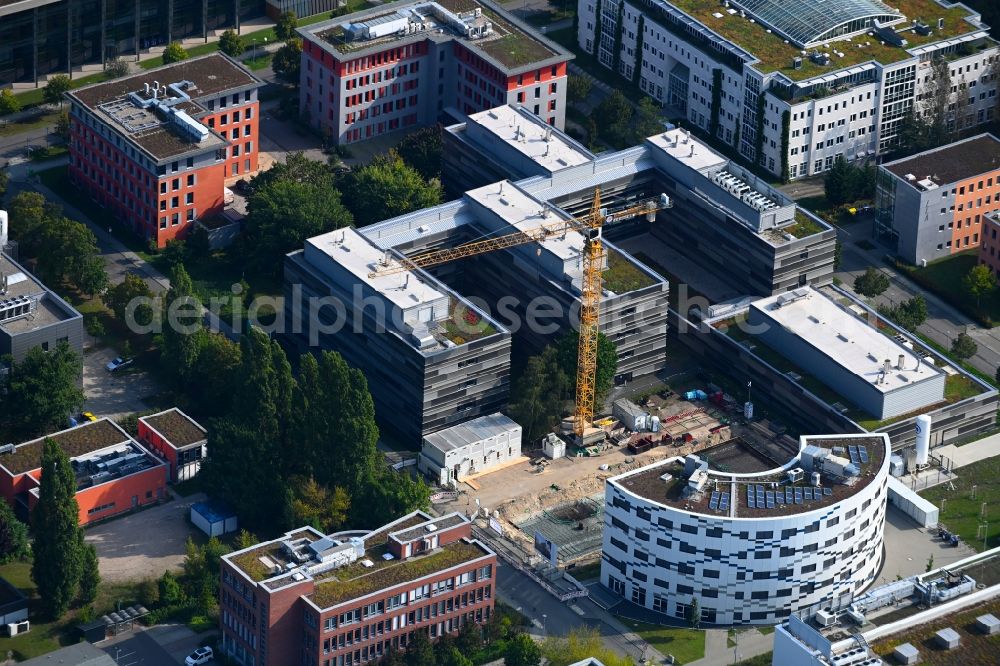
589	226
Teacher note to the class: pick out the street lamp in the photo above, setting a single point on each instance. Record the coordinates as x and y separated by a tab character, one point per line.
544	631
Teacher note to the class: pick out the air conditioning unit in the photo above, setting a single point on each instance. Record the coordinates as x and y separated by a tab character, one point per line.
15	628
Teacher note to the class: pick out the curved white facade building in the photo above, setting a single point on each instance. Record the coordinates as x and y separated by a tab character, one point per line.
677	530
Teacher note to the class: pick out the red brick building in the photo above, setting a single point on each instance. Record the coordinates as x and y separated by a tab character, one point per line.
347	598
156	149
177	438
407	64
114	474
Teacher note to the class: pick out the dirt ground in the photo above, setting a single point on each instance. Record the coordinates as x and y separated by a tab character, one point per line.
144	544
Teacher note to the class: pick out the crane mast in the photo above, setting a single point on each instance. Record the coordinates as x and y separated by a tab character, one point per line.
593	257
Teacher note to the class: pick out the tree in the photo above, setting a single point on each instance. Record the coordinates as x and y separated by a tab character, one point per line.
694	614
181	321
57	562
317	506
838	254
451	656
578	88
63	126
580	644
288	203
90	575
8	102
115	68
14	544
647	120
930	564
245	539
909	314
616	111
522	651
397	187
171	592
42	390
838	182
963	347
871	283
607	363
979	282
231	44
421	149
469	639
996	375
218	360
287	61
54	90
174	53
538	394
419	650
120	296
4	180
285	27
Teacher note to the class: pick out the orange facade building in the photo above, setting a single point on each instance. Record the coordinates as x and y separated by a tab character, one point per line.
934	204
114	474
156	149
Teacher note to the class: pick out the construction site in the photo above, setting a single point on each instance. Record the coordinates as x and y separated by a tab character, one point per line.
562	497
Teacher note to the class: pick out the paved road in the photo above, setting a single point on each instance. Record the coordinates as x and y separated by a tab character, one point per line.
555	618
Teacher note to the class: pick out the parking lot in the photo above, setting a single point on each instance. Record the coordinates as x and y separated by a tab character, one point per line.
118	393
162	645
144	544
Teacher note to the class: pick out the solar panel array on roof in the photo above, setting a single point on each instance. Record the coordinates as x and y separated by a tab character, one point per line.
858	454
807	22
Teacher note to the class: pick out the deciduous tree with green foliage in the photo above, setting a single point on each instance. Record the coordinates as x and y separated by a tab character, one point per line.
979	282
41	391
694	614
231	43
909	314
218	359
174	53
616	114
537	395
647	120
285	27
130	300
522	650
58	560
419	650
871	283
8	103
578	88
288	203
421	149
964	347
397	187
4	180
287	61
313	504
54	90
115	68
580	644
14	545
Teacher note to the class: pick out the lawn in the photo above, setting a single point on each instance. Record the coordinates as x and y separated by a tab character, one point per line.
39	121
686	645
258	63
944	278
45	637
961	512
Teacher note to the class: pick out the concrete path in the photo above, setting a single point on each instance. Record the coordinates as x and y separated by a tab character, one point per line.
972	452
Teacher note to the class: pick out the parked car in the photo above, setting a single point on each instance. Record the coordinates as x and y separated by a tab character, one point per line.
118	364
86	416
202	655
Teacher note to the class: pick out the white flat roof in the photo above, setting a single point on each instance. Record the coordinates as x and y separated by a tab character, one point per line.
356	254
531	137
686	149
845	338
523	212
470	432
